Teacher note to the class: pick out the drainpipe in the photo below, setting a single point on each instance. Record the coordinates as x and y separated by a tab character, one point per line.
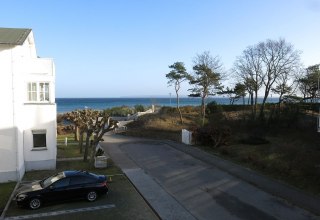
15	142
13	116
319	98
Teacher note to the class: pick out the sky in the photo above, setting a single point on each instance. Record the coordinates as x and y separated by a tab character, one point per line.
122	48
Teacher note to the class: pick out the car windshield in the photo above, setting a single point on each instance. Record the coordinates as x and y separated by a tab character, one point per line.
48	181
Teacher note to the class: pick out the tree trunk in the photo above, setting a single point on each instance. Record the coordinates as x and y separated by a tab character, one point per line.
280	101
86	149
261	115
76	133
203	109
81	142
255	104
93	151
178	107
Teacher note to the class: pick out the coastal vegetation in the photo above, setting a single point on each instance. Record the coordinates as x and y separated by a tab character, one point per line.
269	67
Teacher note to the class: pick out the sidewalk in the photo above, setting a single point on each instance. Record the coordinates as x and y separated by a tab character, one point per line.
292	195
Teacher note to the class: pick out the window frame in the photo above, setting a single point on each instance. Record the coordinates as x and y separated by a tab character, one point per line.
39	132
42	91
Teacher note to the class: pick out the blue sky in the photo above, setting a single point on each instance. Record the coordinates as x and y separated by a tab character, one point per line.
122	48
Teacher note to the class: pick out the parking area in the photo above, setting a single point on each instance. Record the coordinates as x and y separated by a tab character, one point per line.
122	202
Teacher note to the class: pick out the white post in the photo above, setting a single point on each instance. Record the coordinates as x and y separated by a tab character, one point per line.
66	141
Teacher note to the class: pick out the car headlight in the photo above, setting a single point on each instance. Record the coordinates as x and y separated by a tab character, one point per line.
21	197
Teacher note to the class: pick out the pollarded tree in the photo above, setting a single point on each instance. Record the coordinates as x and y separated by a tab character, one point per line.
102	124
84	119
176	76
206	78
79	118
94	124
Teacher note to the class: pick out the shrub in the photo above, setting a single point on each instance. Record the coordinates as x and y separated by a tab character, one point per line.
168	110
139	108
122	111
254	140
213	107
212	136
189	109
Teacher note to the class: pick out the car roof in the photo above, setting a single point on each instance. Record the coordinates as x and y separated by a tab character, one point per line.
69	173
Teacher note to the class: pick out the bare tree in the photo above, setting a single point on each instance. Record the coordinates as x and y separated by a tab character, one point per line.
248	67
278	58
286	84
176	76
265	65
206	78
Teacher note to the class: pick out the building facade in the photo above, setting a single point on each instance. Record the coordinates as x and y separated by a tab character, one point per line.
28	109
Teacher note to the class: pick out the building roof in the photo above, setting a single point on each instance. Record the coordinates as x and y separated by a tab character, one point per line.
13	36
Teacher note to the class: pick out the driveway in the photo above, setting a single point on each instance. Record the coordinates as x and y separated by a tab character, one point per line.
179	186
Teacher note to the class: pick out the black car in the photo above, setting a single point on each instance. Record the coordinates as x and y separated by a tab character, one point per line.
62	186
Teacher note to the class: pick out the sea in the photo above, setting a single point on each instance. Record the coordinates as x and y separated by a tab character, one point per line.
70	104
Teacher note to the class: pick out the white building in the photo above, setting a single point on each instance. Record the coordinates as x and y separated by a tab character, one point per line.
28	109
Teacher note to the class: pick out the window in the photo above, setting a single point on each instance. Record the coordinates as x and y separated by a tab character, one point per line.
52	179
75	180
39	138
32	92
38	92
44	92
62	183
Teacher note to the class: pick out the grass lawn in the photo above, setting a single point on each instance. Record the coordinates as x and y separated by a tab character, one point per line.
72	148
5	192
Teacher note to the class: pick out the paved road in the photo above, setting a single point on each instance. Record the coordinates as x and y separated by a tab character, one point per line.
179	186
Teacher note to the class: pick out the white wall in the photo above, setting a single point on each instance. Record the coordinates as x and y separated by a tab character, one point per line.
35	116
40	117
8	149
18	66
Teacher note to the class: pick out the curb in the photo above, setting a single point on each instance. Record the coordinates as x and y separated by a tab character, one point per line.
69	159
146	201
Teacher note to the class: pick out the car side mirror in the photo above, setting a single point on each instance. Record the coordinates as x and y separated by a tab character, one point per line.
51	187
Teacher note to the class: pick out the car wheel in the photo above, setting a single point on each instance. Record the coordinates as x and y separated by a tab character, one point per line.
91	196
34	203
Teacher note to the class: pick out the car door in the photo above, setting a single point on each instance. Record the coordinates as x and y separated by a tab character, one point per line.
78	185
58	190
